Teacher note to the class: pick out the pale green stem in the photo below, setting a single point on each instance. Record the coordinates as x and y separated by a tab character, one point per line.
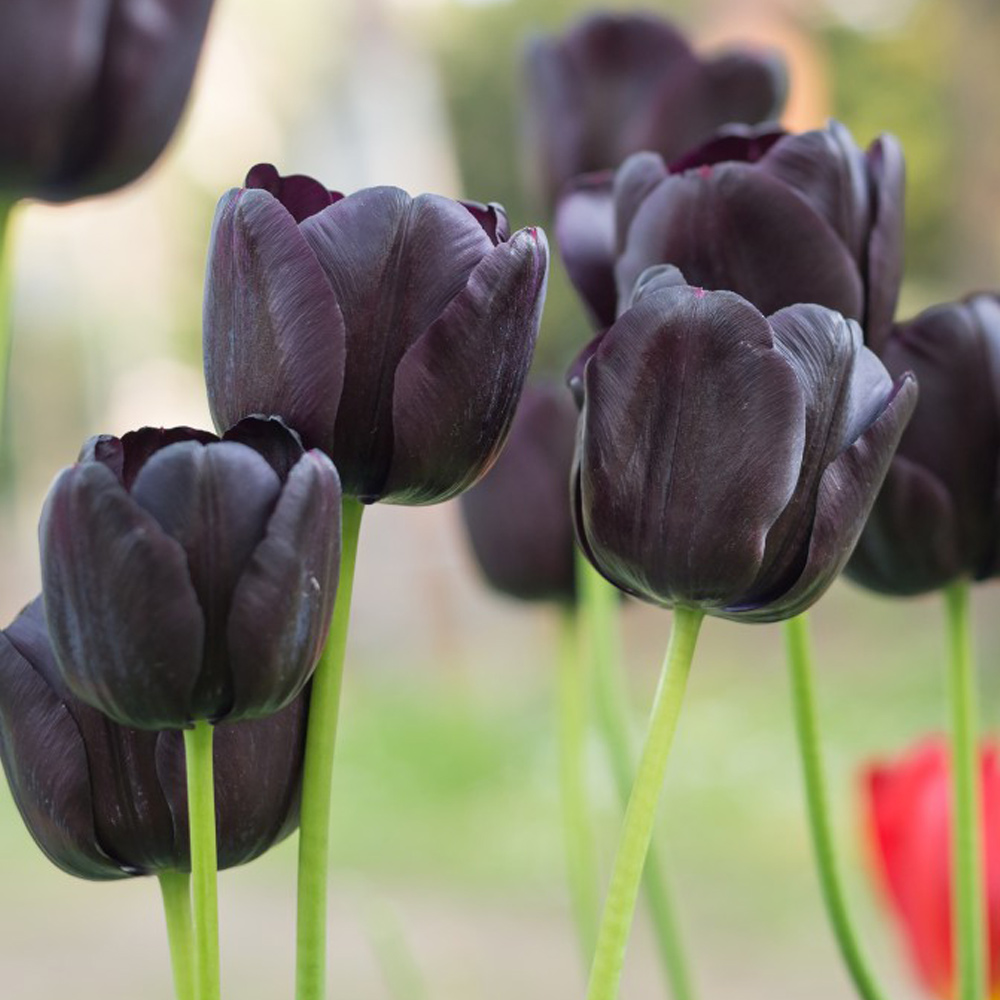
806	728
601	603
581	853
176	890
317	775
396	962
968	927
201	819
640	815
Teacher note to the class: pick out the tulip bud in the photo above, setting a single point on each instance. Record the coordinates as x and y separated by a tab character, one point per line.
614	84
191	578
394	333
518	515
907	811
92	92
727	461
775	217
104	801
936	518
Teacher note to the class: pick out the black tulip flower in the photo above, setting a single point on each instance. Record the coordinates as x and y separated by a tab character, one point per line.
91	92
937	519
104	801
518	515
615	84
395	333
726	461
775	217
190	578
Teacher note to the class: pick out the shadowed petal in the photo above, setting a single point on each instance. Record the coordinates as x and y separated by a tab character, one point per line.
846	494
215	502
691	420
747	86
44	756
301	195
699	220
457	387
394	262
274	335
742	143
633	182
282	604
585	235
123	616
272	438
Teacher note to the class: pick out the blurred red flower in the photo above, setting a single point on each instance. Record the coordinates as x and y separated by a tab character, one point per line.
907	809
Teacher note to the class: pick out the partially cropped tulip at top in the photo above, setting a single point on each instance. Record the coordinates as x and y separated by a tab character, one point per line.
907	812
776	217
393	332
937	520
104	801
614	84
518	516
90	93
190	578
727	461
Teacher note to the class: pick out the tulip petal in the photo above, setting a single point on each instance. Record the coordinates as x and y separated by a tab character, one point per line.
885	245
44	756
277	443
123	616
692	420
457	387
585	228
746	86
258	770
698	221
633	182
846	494
281	607
301	196
274	334
215	502
395	263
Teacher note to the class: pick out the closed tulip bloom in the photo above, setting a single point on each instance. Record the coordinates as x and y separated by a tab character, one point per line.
395	333
726	461
104	801
190	578
92	92
775	217
936	519
907	812
517	515
615	84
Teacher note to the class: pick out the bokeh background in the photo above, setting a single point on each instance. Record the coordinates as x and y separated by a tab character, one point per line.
448	877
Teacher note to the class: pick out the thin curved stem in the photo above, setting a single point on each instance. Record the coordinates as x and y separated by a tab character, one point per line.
581	853
602	602
201	819
176	890
806	728
7	211
968	928
640	815
317	776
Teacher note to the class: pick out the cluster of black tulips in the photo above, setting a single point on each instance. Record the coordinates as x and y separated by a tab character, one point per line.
169	703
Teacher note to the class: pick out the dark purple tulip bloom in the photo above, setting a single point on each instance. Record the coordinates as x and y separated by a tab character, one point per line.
395	333
191	578
936	519
518	514
776	218
728	461
91	92
103	801
616	84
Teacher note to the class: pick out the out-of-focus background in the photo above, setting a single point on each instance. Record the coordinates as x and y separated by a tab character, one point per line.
447	839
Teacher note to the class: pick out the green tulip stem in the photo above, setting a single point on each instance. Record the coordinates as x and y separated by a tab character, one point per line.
204	861
6	308
640	814
317	777
600	603
581	852
807	731
967	887
176	890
